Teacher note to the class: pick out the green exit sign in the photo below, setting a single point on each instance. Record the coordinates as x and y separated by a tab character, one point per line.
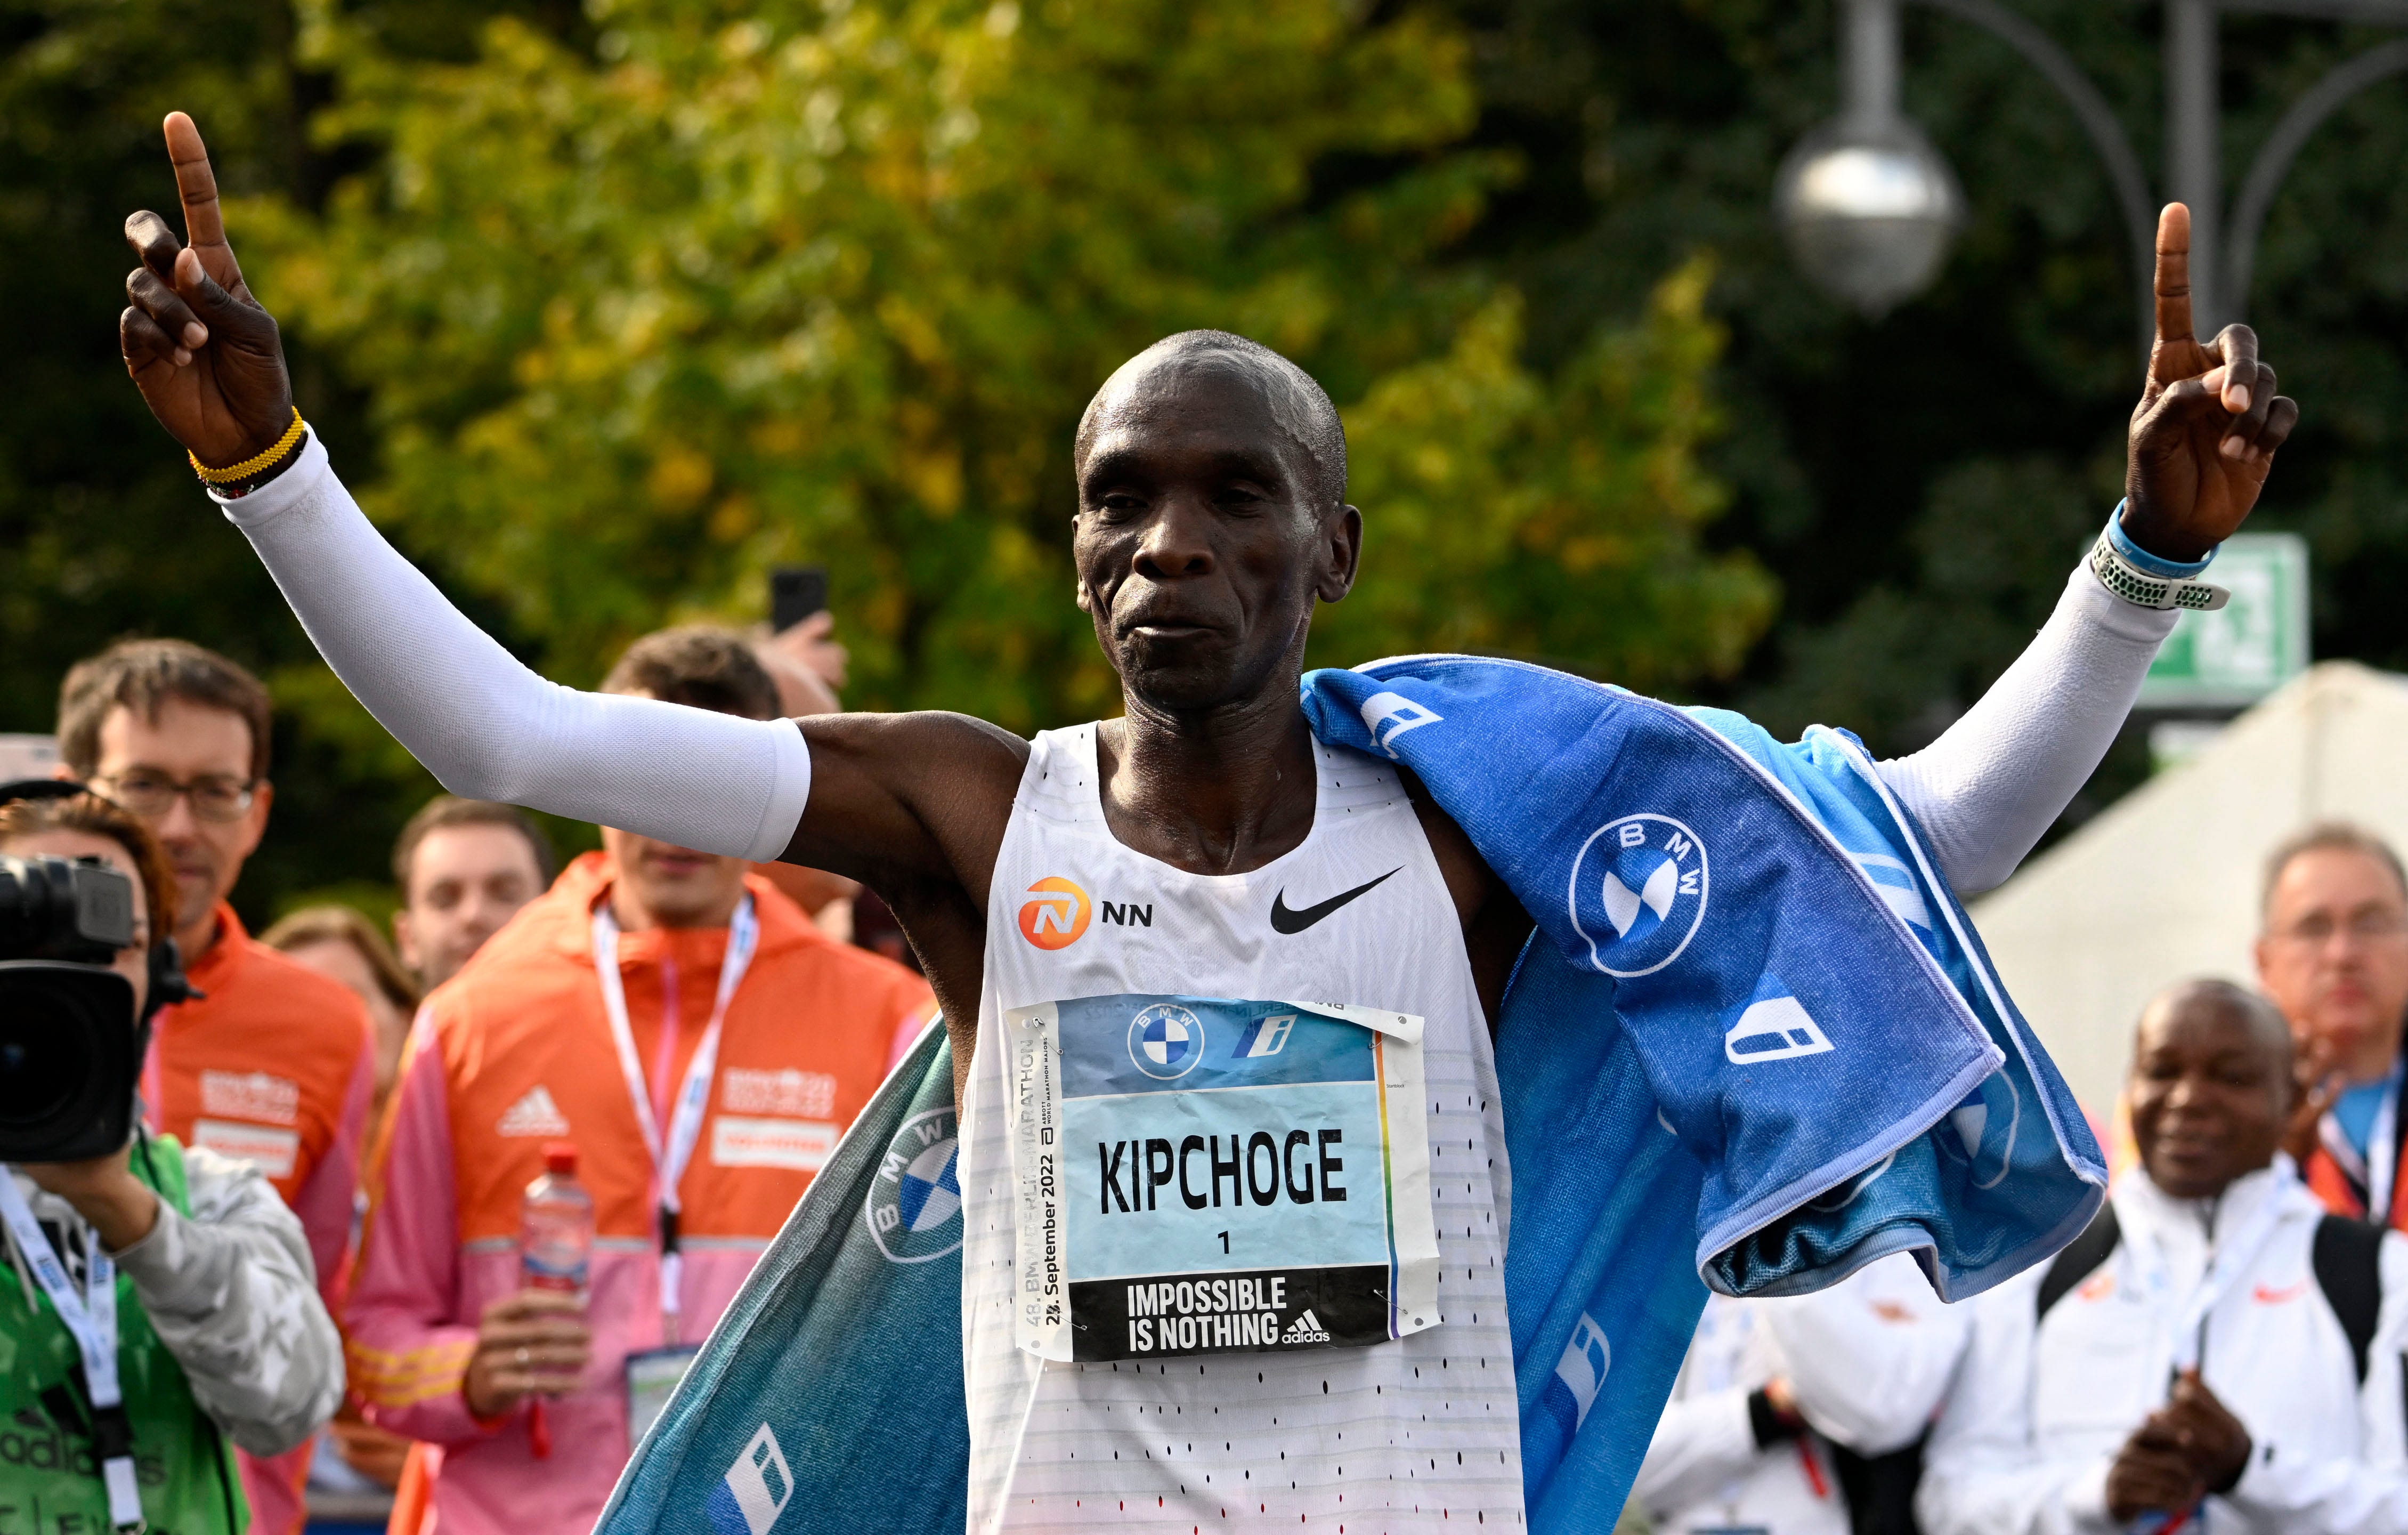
2253	645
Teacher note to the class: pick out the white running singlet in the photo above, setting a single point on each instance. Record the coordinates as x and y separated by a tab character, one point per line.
1185	1421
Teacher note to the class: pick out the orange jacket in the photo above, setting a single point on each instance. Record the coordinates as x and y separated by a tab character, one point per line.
275	1064
515	1051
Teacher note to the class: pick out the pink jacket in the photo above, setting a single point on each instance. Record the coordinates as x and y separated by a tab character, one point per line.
515	1053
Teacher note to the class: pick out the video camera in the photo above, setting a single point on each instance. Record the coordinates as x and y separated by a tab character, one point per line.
70	1045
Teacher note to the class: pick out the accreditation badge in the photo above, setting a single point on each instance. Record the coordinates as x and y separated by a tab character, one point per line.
1198	1175
651	1380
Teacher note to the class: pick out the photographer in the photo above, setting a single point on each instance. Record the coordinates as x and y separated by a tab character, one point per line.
179	1273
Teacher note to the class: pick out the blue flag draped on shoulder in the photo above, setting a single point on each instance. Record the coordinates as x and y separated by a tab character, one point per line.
1754	1041
1755	1038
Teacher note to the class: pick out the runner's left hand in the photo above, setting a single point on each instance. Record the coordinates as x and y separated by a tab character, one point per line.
2204	434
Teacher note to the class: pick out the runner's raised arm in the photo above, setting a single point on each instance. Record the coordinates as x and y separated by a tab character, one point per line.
211	364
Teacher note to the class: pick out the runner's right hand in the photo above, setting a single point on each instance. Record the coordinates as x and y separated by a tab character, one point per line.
204	354
532	1343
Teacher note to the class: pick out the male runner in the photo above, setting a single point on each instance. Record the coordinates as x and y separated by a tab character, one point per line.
1203	849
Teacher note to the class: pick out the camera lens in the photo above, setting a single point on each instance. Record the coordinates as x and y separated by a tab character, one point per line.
42	1066
68	1063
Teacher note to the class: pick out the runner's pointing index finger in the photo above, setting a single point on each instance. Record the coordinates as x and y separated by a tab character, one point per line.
196	184
2173	279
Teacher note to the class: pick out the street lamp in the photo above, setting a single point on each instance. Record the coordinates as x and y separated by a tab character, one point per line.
1869	206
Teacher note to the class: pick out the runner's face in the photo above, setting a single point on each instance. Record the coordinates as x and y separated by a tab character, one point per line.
1198	546
2335	958
2209	1096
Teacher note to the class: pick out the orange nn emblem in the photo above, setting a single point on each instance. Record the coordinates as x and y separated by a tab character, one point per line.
1055	914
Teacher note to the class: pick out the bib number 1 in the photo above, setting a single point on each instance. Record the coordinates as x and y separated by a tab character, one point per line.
1199	1175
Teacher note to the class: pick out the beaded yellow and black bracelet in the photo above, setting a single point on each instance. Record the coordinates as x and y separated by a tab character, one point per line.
235	473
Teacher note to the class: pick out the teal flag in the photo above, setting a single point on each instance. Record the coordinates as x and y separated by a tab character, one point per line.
837	1368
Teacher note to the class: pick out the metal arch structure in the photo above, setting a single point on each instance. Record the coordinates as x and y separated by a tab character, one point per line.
2274	157
2098	119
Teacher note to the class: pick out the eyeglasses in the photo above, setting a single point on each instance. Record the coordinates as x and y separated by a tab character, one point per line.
215	797
2314	932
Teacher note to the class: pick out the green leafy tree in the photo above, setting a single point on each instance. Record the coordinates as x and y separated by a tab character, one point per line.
1556	519
1920	484
608	309
834	283
102	532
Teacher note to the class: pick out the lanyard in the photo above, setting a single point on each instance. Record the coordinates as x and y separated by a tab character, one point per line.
669	1159
2380	1167
2228	1260
92	1319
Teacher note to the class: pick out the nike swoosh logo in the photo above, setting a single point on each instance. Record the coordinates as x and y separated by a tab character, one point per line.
1285	920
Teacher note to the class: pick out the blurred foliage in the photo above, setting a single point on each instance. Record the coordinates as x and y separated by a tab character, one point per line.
1920	485
606	309
1555	519
746	286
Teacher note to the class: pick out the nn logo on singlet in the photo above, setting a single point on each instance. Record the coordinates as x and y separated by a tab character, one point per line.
1306	1329
1056	913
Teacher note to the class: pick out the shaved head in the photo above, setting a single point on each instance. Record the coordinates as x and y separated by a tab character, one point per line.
2211	1089
2257	1017
1296	403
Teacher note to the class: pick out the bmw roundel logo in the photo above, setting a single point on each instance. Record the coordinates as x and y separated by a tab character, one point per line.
914	1209
1166	1041
1638	893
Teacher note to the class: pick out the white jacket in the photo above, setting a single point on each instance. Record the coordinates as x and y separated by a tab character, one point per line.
1869	1359
230	1290
2040	1407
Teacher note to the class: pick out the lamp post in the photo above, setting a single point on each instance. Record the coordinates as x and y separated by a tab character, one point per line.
1869	206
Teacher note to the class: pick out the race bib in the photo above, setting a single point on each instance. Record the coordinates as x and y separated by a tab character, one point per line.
1198	1175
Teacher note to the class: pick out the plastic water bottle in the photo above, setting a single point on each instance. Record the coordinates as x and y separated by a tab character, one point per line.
556	1226
555	1252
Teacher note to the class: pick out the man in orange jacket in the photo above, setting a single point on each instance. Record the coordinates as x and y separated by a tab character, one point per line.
273	1063
710	990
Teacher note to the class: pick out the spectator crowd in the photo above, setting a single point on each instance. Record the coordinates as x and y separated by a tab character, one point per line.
322	1219
319	1215
2223	1348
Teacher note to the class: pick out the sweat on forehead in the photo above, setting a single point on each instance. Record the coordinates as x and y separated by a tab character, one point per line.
1300	406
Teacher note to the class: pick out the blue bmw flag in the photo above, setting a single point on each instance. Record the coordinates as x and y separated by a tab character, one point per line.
1754	1042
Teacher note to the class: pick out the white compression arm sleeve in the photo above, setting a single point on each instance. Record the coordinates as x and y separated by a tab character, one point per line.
1995	781
487	726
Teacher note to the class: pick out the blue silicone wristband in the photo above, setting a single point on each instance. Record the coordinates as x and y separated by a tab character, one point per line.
2155	565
